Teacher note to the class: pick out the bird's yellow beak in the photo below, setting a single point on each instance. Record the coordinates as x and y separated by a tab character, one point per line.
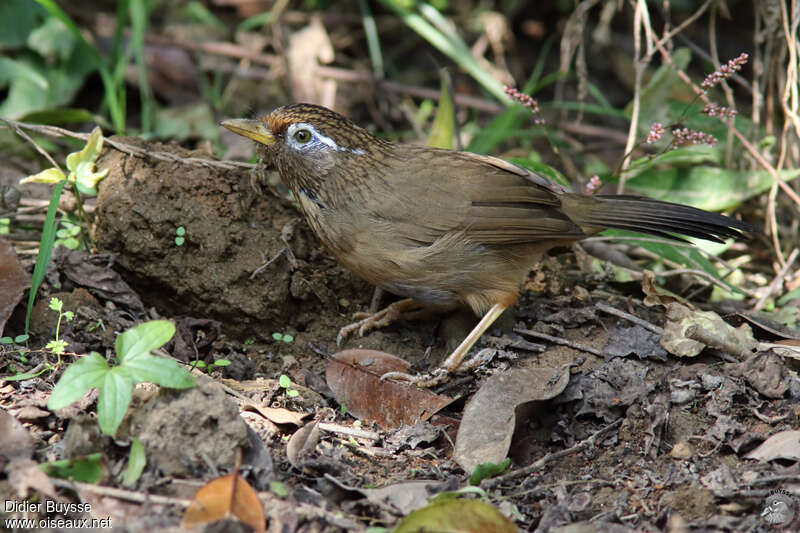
252	129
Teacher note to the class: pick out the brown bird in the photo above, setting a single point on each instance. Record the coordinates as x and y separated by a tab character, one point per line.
442	228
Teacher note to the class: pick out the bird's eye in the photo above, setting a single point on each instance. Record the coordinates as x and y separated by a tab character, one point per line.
302	136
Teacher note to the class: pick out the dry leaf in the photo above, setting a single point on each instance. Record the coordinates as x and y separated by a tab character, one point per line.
783	445
303	442
228	496
278	415
487	426
354	378
13	281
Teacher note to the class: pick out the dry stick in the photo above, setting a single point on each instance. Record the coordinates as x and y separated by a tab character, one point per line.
641	18
120	494
17	126
132	150
631	318
777	280
559	340
586	443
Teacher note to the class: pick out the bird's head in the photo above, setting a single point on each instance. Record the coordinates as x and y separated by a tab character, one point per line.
306	142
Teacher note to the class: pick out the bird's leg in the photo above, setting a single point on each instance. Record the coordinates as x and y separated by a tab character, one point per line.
382	318
455	359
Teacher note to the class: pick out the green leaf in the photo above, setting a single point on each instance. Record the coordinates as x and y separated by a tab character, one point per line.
663	84
503	126
284	381
12	69
113	400
136	463
158	370
686	257
87	372
540	168
456	515
789	296
488	470
59	115
18	18
440	33
138	341
443	128
52	40
705	187
278	489
81	164
87	469
45	249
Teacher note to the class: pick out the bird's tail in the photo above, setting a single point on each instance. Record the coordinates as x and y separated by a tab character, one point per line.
645	215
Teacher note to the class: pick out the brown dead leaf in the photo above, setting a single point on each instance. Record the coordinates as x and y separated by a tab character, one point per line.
227	496
487	426
655	295
354	378
688	331
13	281
277	415
309	48
15	441
783	445
94	272
303	442
25	474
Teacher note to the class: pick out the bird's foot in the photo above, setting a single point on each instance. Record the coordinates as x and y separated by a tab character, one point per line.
423	381
367	322
437	376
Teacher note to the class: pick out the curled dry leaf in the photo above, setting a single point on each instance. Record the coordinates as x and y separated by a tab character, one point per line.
13	281
688	331
783	445
277	415
489	418
227	496
354	378
302	443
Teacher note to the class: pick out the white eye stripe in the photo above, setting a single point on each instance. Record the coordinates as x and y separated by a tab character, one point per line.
317	137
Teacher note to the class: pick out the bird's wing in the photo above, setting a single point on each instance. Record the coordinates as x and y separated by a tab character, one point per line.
491	201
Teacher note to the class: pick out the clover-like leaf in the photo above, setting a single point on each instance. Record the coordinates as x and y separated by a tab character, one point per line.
81	164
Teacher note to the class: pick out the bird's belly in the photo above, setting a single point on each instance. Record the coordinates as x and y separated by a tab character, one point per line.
432	298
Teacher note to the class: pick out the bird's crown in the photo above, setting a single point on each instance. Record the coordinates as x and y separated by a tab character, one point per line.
329	127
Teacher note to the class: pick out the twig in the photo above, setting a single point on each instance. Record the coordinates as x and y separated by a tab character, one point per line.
777	281
17	126
560	340
120	494
631	318
582	445
353	432
132	150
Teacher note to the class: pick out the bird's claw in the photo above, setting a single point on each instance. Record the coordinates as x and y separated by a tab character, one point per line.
423	381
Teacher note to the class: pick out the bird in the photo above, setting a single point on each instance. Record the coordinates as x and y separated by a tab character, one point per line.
442	228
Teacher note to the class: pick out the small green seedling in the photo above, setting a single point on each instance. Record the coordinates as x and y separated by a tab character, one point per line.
286	384
59	346
201	365
67	235
19	339
114	383
283	337
180	233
